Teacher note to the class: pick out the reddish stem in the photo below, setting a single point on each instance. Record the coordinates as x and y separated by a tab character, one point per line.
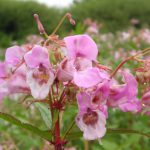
58	142
120	65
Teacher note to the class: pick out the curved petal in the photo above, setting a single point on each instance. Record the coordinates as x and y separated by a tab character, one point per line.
14	55
84	101
39	90
37	56
124	93
4	70
146	98
133	106
66	70
81	46
89	77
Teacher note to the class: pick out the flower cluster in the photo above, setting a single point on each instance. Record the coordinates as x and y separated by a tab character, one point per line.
30	69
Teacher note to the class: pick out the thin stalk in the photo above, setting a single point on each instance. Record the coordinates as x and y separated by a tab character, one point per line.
59	24
69	129
86	145
126	131
120	65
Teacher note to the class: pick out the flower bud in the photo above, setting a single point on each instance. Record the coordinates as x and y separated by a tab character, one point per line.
39	24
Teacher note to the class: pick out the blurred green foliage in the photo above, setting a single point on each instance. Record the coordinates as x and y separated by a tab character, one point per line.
115	15
16	16
16	22
16	19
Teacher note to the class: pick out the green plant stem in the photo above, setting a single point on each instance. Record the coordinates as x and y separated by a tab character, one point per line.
126	131
59	24
69	129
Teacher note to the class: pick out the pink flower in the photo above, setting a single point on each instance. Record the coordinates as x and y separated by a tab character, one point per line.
14	55
81	46
133	106
4	70
125	93
17	83
101	93
37	56
90	120
89	77
40	75
3	89
78	64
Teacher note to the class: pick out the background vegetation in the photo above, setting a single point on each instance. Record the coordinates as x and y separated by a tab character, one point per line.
16	22
16	17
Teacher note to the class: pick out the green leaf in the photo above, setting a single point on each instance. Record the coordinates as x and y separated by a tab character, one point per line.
45	113
44	134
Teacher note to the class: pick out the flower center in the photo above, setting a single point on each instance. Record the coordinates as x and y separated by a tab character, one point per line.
90	118
41	75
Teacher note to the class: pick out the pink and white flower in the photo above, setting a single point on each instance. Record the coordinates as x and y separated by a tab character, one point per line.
90	120
40	75
82	50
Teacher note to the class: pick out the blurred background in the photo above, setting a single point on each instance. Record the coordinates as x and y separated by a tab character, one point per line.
120	28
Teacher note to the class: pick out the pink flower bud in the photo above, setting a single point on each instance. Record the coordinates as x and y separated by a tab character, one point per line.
40	26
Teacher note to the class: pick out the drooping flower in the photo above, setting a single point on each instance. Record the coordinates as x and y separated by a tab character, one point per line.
90	120
125	94
40	75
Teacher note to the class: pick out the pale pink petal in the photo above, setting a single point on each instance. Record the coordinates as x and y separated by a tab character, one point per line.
132	106
84	101
66	70
4	70
146	99
81	46
14	55
37	56
39	90
18	84
120	94
94	132
4	91
89	77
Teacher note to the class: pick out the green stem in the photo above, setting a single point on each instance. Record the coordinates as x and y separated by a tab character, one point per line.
126	131
69	129
59	24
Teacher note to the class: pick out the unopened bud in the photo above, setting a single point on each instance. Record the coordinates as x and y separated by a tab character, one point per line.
71	20
39	24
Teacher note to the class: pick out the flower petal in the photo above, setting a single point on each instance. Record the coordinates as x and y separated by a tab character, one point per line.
81	46
14	55
38	55
38	90
89	77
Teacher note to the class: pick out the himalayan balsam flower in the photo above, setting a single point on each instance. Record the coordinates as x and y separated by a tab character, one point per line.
40	75
90	120
81	51
29	71
124	96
